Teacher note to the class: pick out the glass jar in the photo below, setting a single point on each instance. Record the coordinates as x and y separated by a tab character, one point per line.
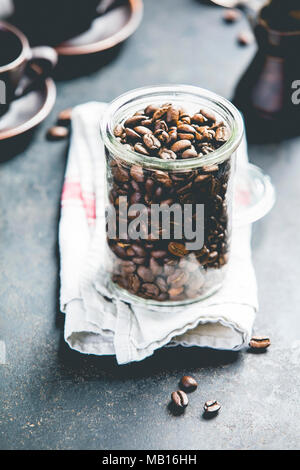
169	221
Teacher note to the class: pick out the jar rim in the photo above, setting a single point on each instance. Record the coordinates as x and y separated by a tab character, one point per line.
167	92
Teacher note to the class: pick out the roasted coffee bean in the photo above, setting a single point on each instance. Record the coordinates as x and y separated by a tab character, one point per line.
120	174
189	383
163	178
157	254
160	113
172	116
142	130
163	137
137	173
175	292
167	154
135	198
199	119
185	129
259	342
190	153
189	137
128	266
134	283
150	110
139	250
131	134
180	399
173	134
178	278
212	406
221	134
119	130
139	261
209	115
145	274
160	126
163	286
177	249
65	116
155	267
181	145
151	142
57	133
244	38
134	120
231	15
150	290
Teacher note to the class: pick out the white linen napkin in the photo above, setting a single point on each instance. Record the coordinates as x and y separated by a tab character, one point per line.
98	322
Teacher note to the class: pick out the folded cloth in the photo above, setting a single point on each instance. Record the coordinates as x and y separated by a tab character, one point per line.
98	321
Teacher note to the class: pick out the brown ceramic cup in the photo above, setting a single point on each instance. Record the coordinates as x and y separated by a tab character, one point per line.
16	58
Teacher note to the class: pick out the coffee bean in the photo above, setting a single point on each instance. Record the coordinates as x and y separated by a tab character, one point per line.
151	142
180	399
120	174
145	274
177	249
150	290
186	129
160	112
178	278
57	133
65	116
134	120
231	15
175	292
181	145
158	254
212	406
199	119
163	177
167	154
119	130
260	342
172	116
189	383
209	115
221	134
190	153
245	38
137	173
128	266
134	283
142	130
131	134
150	110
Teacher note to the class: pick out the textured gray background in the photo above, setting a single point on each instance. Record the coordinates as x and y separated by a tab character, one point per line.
54	398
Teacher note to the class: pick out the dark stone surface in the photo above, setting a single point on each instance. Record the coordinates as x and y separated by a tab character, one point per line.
54	398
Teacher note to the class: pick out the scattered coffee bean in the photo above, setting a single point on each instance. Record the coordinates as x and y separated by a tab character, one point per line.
212	407
65	116
259	342
180	399
189	383
231	15
57	133
244	38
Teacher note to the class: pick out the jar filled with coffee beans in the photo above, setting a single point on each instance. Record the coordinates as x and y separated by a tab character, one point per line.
170	153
